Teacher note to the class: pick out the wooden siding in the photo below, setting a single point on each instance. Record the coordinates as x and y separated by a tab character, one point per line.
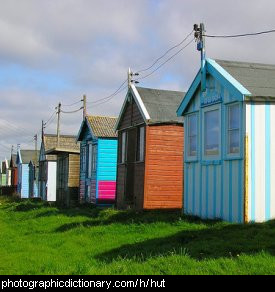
130	177
213	187
131	116
120	186
106	170
74	165
23	181
163	167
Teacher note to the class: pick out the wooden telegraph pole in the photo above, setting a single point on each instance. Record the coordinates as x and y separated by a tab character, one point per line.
58	123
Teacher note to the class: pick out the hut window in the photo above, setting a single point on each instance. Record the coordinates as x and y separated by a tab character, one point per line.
211	133
140	143
92	159
83	158
192	135
94	156
122	147
233	129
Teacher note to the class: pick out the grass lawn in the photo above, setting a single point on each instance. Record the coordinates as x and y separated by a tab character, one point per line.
40	239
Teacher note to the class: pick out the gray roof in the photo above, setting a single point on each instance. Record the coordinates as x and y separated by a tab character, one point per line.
161	105
29	155
259	79
103	127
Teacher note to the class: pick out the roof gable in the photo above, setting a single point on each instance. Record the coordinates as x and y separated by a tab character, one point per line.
155	105
222	76
99	127
25	156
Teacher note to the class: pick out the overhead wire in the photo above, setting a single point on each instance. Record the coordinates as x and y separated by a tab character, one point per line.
166	53
71	112
240	35
169	59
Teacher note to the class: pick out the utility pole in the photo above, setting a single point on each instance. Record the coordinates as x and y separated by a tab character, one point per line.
42	130
130	77
35	147
84	106
58	123
200	38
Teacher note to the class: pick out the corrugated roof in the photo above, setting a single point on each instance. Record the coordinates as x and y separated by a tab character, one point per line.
161	105
29	155
259	79
103	127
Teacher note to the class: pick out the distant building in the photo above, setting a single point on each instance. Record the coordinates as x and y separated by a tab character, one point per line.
67	174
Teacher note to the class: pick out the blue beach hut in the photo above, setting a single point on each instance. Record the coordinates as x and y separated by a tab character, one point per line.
98	160
22	160
229	154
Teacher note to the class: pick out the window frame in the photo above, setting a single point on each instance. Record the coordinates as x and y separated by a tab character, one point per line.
188	157
138	148
216	157
229	155
122	158
89	169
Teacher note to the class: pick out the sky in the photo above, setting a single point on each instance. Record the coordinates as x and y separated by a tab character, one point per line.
55	51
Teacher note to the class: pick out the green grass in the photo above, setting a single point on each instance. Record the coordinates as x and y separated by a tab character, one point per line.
36	238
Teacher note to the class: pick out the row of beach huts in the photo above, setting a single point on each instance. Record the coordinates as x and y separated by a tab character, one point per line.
210	151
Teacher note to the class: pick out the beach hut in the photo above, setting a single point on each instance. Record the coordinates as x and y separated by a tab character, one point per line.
98	160
229	145
150	135
3	173
67	176
47	169
33	178
23	159
13	171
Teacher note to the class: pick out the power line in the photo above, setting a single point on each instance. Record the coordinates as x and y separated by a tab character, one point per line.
110	96
68	105
54	113
169	59
168	51
71	112
240	35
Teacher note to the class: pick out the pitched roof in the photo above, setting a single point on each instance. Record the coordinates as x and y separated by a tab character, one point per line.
13	161
259	79
66	144
28	155
103	127
161	105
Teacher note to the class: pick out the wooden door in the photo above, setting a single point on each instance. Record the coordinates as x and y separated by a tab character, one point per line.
130	165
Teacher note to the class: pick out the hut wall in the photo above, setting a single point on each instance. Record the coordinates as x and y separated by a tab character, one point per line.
214	187
163	167
51	186
24	181
62	180
260	118
73	177
131	118
106	170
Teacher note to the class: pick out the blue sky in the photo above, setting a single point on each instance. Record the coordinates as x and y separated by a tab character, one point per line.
58	50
